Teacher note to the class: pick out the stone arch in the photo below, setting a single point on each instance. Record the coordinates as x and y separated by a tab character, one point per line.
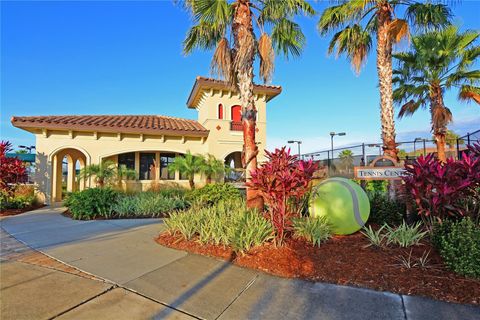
72	155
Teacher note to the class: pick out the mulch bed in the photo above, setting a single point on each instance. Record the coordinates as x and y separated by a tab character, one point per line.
13	212
346	260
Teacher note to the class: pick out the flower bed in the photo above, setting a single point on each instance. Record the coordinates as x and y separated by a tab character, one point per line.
347	260
13	212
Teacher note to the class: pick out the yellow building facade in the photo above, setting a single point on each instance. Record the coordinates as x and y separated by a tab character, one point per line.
145	143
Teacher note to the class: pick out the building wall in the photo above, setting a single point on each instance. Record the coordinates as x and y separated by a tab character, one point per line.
222	140
96	147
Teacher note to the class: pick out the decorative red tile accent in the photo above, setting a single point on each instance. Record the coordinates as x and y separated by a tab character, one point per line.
218	127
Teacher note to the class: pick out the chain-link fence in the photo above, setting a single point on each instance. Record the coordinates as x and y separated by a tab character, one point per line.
341	161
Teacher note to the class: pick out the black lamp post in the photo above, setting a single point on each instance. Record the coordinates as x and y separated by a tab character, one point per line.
333	134
298	143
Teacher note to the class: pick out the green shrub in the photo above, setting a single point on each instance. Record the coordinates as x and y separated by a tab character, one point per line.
459	245
376	186
23	196
150	204
227	223
384	210
314	229
212	194
376	237
91	203
405	235
183	222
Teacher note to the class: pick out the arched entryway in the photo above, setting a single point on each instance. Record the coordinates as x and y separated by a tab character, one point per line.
66	163
234	162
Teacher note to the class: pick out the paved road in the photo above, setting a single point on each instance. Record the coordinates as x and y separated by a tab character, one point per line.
145	280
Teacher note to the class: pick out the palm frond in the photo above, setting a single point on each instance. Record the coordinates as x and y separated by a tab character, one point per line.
267	57
409	108
215	12
274	10
469	93
222	63
398	30
462	77
428	16
355	42
204	35
335	17
287	38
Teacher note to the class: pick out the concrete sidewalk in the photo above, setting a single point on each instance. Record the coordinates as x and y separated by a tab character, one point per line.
123	252
35	286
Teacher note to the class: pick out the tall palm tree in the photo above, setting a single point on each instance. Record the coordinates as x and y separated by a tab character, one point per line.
256	29
358	21
188	165
438	61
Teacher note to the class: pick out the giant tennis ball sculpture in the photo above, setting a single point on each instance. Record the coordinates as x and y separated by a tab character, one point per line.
342	202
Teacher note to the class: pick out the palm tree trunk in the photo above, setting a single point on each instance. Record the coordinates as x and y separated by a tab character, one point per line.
244	54
439	118
384	70
440	140
209	179
191	183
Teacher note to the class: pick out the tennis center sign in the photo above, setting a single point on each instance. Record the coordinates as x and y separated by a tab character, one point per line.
382	168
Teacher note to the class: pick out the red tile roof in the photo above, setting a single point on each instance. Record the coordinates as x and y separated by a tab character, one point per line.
148	124
207	83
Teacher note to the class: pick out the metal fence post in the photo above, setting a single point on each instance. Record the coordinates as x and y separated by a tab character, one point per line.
363	154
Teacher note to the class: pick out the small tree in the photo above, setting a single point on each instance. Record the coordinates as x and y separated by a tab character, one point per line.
212	167
103	173
12	170
282	178
188	165
346	158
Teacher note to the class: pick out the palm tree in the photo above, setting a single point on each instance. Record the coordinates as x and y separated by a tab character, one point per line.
188	165
438	61
451	139
358	21
258	29
103	173
212	167
346	158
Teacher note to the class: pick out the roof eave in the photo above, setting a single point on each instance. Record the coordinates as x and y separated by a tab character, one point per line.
25	126
270	92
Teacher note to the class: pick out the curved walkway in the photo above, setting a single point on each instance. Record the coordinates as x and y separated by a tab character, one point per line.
142	276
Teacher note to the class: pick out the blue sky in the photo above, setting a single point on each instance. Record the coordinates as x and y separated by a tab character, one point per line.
126	58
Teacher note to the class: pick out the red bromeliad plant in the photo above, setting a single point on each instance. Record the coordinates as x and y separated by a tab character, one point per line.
11	169
282	178
438	188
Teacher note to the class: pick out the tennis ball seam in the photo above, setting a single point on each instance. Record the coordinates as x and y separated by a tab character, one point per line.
356	206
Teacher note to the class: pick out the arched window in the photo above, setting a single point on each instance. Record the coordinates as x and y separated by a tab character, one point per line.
236	113
220	111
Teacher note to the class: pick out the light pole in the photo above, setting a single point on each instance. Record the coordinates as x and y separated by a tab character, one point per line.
27	148
298	143
333	134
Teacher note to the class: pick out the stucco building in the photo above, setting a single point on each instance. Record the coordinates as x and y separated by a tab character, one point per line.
146	143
